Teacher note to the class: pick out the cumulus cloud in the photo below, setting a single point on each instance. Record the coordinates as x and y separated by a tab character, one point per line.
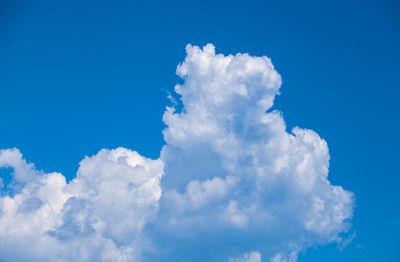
98	216
272	186
230	179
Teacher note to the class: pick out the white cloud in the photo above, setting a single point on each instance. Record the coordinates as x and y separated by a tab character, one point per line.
98	216
233	175
226	130
23	172
248	257
289	257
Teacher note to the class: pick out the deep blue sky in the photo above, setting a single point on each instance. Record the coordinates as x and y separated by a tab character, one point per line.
78	76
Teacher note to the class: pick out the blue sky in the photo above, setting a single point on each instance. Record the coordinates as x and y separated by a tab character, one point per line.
79	76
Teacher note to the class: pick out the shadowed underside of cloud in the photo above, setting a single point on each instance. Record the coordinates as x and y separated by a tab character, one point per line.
231	183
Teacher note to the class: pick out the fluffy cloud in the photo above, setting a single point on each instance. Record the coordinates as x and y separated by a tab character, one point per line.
230	179
98	216
233	169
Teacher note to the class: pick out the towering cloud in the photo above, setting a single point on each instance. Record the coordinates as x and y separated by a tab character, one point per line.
231	183
232	169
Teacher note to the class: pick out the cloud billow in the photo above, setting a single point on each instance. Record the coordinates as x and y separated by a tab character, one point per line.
229	175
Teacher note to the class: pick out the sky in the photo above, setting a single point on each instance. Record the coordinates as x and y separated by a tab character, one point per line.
79	79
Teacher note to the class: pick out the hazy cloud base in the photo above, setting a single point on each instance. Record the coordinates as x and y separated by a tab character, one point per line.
231	183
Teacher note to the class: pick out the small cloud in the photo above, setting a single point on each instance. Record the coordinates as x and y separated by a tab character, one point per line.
247	257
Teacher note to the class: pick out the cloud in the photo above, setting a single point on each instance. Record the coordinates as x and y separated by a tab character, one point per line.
98	216
252	257
230	179
271	187
23	172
